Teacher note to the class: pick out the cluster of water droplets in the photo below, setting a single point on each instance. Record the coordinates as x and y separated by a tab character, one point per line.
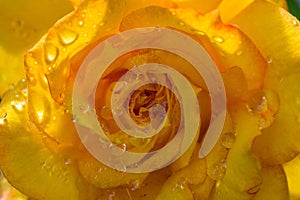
18	101
217	170
266	104
180	184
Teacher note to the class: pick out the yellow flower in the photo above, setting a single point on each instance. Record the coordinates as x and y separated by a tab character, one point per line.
255	47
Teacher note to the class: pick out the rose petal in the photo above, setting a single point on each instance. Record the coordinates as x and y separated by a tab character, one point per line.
292	169
242	167
26	160
227	45
274	185
276	35
20	30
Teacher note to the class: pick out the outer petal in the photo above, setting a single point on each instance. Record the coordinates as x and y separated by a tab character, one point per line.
26	160
48	66
277	36
243	169
19	31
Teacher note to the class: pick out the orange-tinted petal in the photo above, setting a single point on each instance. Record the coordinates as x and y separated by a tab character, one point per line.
226	44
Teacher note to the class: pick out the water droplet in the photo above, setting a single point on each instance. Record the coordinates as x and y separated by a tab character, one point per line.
135	184
239	52
180	185
75	119
124	146
50	52
269	60
265	102
18	105
265	122
199	32
217	171
80	23
67	37
218	39
295	22
3	116
181	23
68	161
101	24
228	140
39	106
258	102
112	196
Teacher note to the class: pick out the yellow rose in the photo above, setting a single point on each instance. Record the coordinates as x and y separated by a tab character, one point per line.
255	48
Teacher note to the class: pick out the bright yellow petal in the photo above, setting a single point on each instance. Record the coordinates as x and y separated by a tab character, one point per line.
277	36
229	9
292	171
242	167
22	24
48	64
177	186
27	162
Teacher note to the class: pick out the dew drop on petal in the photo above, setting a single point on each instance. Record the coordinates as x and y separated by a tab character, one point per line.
80	23
135	184
228	140
180	185
264	101
3	116
50	52
199	32
217	171
106	113
67	37
269	60
218	39
112	196
239	52
18	105
181	23
101	24
295	22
